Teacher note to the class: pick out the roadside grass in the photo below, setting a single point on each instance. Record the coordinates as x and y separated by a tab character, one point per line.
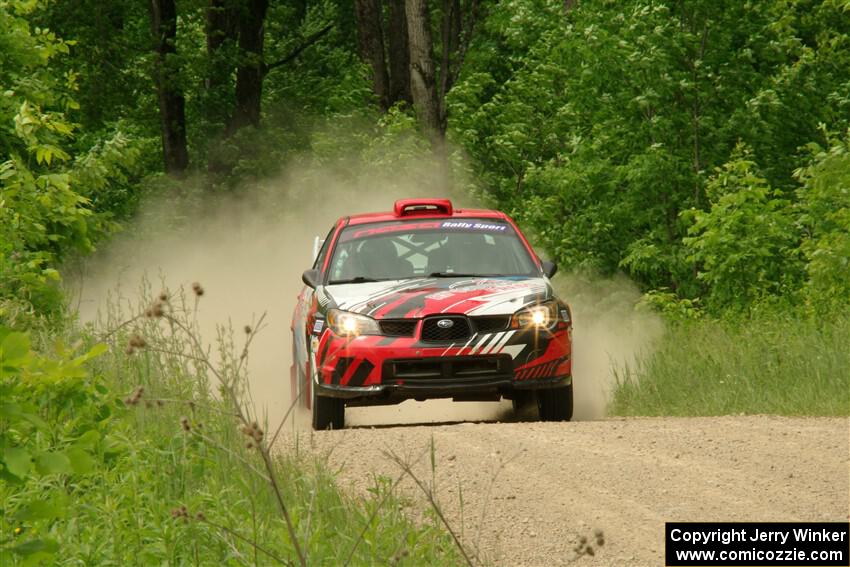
771	363
165	471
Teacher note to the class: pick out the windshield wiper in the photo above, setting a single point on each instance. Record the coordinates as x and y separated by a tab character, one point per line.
358	279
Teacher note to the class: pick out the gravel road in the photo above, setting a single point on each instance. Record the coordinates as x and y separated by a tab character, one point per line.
541	486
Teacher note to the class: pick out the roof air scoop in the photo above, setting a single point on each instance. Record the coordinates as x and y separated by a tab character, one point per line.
413	207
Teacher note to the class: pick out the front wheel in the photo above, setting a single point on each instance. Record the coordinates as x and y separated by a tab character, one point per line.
555	404
328	413
523	403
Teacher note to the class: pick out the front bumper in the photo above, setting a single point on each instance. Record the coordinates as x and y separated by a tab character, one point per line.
379	370
481	388
378	360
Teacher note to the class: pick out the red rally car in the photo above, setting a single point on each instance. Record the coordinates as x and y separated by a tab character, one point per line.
429	302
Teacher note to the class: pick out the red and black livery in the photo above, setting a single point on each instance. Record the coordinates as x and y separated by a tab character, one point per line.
429	302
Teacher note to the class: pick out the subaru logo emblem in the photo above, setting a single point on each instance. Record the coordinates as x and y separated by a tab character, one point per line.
445	323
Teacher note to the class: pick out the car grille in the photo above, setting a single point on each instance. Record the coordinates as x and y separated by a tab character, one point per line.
398	328
446	370
490	324
459	330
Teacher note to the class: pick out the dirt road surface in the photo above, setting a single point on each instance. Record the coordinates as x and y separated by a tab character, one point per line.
541	486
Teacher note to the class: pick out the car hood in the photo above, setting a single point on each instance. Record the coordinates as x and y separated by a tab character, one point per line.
420	297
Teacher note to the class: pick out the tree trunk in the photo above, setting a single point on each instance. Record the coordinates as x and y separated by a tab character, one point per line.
220	29
300	10
172	111
451	42
399	54
249	74
221	32
370	43
423	85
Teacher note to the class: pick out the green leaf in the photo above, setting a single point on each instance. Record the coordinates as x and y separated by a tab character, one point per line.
18	413
35	420
14	347
56	507
88	440
51	274
113	445
33	546
10	410
53	462
94	352
18	461
81	461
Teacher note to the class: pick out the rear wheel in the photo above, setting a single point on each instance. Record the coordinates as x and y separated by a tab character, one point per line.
328	413
555	404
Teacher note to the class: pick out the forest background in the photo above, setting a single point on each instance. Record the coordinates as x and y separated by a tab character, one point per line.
699	148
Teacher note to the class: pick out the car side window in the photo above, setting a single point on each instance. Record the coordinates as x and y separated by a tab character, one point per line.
320	259
341	264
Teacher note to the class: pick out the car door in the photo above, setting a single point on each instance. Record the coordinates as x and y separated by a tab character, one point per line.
303	319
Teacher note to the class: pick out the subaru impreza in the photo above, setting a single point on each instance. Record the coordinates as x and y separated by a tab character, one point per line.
429	301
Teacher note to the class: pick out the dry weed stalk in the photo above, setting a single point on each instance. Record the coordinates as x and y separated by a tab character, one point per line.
407	469
230	380
362	535
234	389
183	512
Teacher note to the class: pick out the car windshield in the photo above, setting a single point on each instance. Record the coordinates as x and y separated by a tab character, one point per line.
437	248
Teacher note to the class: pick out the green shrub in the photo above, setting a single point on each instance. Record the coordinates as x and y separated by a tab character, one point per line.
54	200
171	475
55	433
745	245
825	221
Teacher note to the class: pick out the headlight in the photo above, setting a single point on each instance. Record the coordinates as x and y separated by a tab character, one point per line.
346	323
542	315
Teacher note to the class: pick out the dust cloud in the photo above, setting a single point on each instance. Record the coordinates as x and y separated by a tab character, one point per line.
248	250
609	333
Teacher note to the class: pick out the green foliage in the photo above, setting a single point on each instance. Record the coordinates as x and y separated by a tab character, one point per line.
166	476
671	306
825	222
79	126
55	427
745	245
50	196
773	362
689	144
600	129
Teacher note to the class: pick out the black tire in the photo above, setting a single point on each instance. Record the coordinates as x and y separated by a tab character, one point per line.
328	413
522	401
555	404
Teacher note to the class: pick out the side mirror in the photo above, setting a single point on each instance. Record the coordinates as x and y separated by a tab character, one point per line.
550	268
310	278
